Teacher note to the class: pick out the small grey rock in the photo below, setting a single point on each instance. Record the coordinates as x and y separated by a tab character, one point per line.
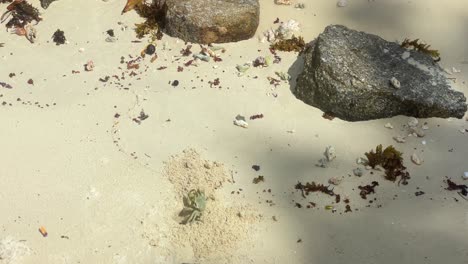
358	172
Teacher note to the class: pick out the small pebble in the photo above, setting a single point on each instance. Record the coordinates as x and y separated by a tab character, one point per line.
358	172
399	139
395	83
389	126
416	160
330	153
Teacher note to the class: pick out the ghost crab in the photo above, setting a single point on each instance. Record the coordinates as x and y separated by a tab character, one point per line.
22	14
195	204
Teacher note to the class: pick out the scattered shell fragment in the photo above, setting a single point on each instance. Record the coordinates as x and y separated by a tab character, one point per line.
360	161
412	122
399	139
202	57
465	175
395	83
89	66
358	172
416	160
283	2
425	127
455	70
243	68
330	153
299	6
342	3
389	126
240	121
335	180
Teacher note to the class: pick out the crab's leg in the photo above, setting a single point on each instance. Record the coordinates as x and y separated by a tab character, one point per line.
5	16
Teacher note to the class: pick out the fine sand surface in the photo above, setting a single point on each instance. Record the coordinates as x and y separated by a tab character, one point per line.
108	190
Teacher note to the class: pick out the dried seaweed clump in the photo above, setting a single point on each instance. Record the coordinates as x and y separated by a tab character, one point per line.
367	189
153	14
391	160
21	12
294	44
421	47
452	186
313	187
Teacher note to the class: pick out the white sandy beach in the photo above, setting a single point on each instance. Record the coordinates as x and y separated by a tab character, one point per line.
100	185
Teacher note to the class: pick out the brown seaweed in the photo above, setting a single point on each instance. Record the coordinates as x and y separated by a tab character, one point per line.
294	44
421	47
452	186
22	13
154	16
258	179
391	160
368	189
313	187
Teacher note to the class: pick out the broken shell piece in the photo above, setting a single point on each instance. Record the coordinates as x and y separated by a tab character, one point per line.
416	160
299	6
412	122
286	29
399	139
342	3
358	172
395	83
455	70
389	126
243	68
89	66
465	175
283	2
425	127
360	161
202	57
330	153
240	121
335	180
30	33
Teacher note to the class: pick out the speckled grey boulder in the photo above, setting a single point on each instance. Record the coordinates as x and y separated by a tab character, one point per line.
347	73
212	21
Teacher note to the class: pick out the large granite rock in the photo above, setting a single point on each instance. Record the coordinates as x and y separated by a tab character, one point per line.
212	21
347	74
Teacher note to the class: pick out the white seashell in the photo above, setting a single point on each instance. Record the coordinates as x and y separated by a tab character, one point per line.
465	175
240	121
416	160
283	2
330	153
389	126
342	3
395	83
